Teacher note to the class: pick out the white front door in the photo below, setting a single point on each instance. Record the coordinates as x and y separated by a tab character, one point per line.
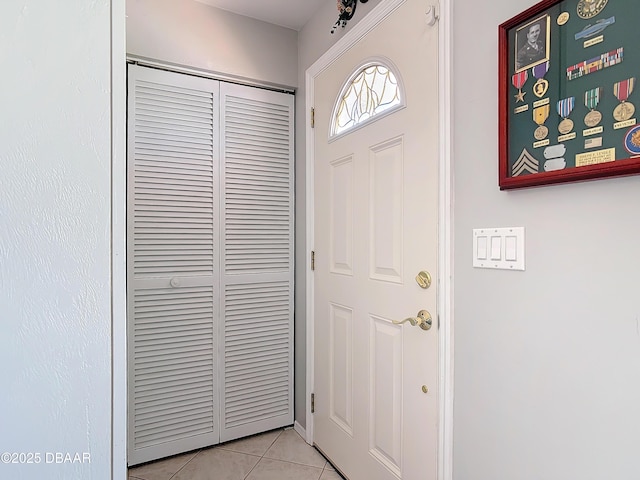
375	224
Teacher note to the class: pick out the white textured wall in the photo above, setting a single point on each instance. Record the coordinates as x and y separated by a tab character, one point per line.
189	33
547	362
315	39
54	236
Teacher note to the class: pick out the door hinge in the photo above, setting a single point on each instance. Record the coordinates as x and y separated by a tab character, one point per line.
313	403
313	260
313	117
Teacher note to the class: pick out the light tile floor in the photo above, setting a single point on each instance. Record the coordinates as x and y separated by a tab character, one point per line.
276	455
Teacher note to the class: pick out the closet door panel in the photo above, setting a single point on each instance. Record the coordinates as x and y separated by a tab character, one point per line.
209	262
172	265
257	260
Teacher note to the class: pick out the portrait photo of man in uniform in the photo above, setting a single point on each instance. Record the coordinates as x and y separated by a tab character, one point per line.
532	43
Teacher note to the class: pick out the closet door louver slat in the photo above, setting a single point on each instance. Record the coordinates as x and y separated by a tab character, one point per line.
173	259
257	261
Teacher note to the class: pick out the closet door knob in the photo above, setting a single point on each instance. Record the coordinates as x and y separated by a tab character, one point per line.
175	282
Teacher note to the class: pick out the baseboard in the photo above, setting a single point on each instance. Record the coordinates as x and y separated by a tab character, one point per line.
301	431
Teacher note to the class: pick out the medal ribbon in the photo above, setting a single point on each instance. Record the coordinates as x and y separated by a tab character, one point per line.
566	106
592	97
539	71
594	64
622	90
541	114
519	79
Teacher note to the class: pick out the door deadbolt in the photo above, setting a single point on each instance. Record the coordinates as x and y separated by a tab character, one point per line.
423	279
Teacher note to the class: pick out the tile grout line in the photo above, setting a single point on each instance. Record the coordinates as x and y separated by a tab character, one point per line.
322	469
190	460
262	456
296	463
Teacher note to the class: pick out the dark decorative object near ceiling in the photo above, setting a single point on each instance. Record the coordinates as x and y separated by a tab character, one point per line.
346	9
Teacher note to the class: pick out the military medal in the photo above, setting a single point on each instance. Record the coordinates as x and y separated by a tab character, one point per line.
622	91
632	140
518	80
540	115
591	100
590	8
541	86
565	107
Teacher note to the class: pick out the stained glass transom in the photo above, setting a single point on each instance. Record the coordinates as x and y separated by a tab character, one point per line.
372	91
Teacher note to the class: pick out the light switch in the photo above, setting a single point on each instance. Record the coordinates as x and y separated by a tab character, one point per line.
499	248
510	248
481	250
496	244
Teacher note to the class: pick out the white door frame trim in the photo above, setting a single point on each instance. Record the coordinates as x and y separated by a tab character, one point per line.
445	243
445	218
118	242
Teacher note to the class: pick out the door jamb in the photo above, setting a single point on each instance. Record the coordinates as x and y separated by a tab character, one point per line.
445	218
118	241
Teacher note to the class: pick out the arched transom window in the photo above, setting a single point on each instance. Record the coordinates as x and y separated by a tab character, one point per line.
373	89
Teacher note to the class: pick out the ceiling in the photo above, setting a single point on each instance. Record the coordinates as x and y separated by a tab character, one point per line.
285	13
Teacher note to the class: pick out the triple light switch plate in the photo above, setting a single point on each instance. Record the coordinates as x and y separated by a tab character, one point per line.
499	248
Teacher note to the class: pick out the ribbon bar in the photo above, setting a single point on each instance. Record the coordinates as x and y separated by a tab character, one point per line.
594	64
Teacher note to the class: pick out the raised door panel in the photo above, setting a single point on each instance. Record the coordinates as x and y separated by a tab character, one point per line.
341	367
386	211
385	381
341	216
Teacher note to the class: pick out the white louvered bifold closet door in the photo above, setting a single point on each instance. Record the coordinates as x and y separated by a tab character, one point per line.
209	262
257	260
172	265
